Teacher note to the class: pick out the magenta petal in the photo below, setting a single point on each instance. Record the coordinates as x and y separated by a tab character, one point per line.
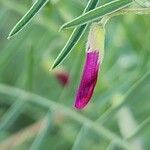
89	78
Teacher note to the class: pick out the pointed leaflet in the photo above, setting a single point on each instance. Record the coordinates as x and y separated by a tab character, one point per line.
98	13
75	36
27	17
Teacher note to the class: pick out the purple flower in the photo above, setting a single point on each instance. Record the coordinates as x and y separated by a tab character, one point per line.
63	77
89	79
94	56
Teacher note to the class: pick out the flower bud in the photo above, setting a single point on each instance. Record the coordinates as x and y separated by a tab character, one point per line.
94	57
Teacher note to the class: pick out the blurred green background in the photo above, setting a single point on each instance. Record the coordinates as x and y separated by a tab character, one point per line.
121	101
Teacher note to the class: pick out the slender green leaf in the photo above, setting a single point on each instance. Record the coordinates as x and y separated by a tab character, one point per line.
18	8
11	115
75	36
140	128
46	125
16	109
80	138
28	16
98	13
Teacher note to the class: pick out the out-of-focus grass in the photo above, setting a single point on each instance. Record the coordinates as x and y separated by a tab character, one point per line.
121	95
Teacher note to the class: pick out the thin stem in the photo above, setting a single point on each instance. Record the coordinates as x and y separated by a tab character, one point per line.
12	91
127	11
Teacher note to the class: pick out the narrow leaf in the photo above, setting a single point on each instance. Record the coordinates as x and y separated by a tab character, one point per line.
80	138
17	108
28	16
140	128
75	36
46	125
11	115
98	13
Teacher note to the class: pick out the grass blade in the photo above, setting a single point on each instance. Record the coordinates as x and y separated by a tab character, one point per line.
17	108
125	98
75	36
44	102
11	115
28	16
139	128
80	138
98	13
46	124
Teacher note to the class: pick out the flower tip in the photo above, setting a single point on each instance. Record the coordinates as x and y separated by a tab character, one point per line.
78	107
80	104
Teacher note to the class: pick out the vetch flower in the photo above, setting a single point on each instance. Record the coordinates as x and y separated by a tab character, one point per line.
63	77
94	57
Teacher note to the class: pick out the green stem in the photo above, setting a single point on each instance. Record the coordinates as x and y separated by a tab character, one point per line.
12	91
127	11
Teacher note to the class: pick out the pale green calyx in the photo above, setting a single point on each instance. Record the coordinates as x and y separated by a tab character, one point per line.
96	39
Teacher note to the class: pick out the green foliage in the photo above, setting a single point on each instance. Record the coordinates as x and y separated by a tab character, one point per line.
98	13
75	36
36	111
144	3
28	16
